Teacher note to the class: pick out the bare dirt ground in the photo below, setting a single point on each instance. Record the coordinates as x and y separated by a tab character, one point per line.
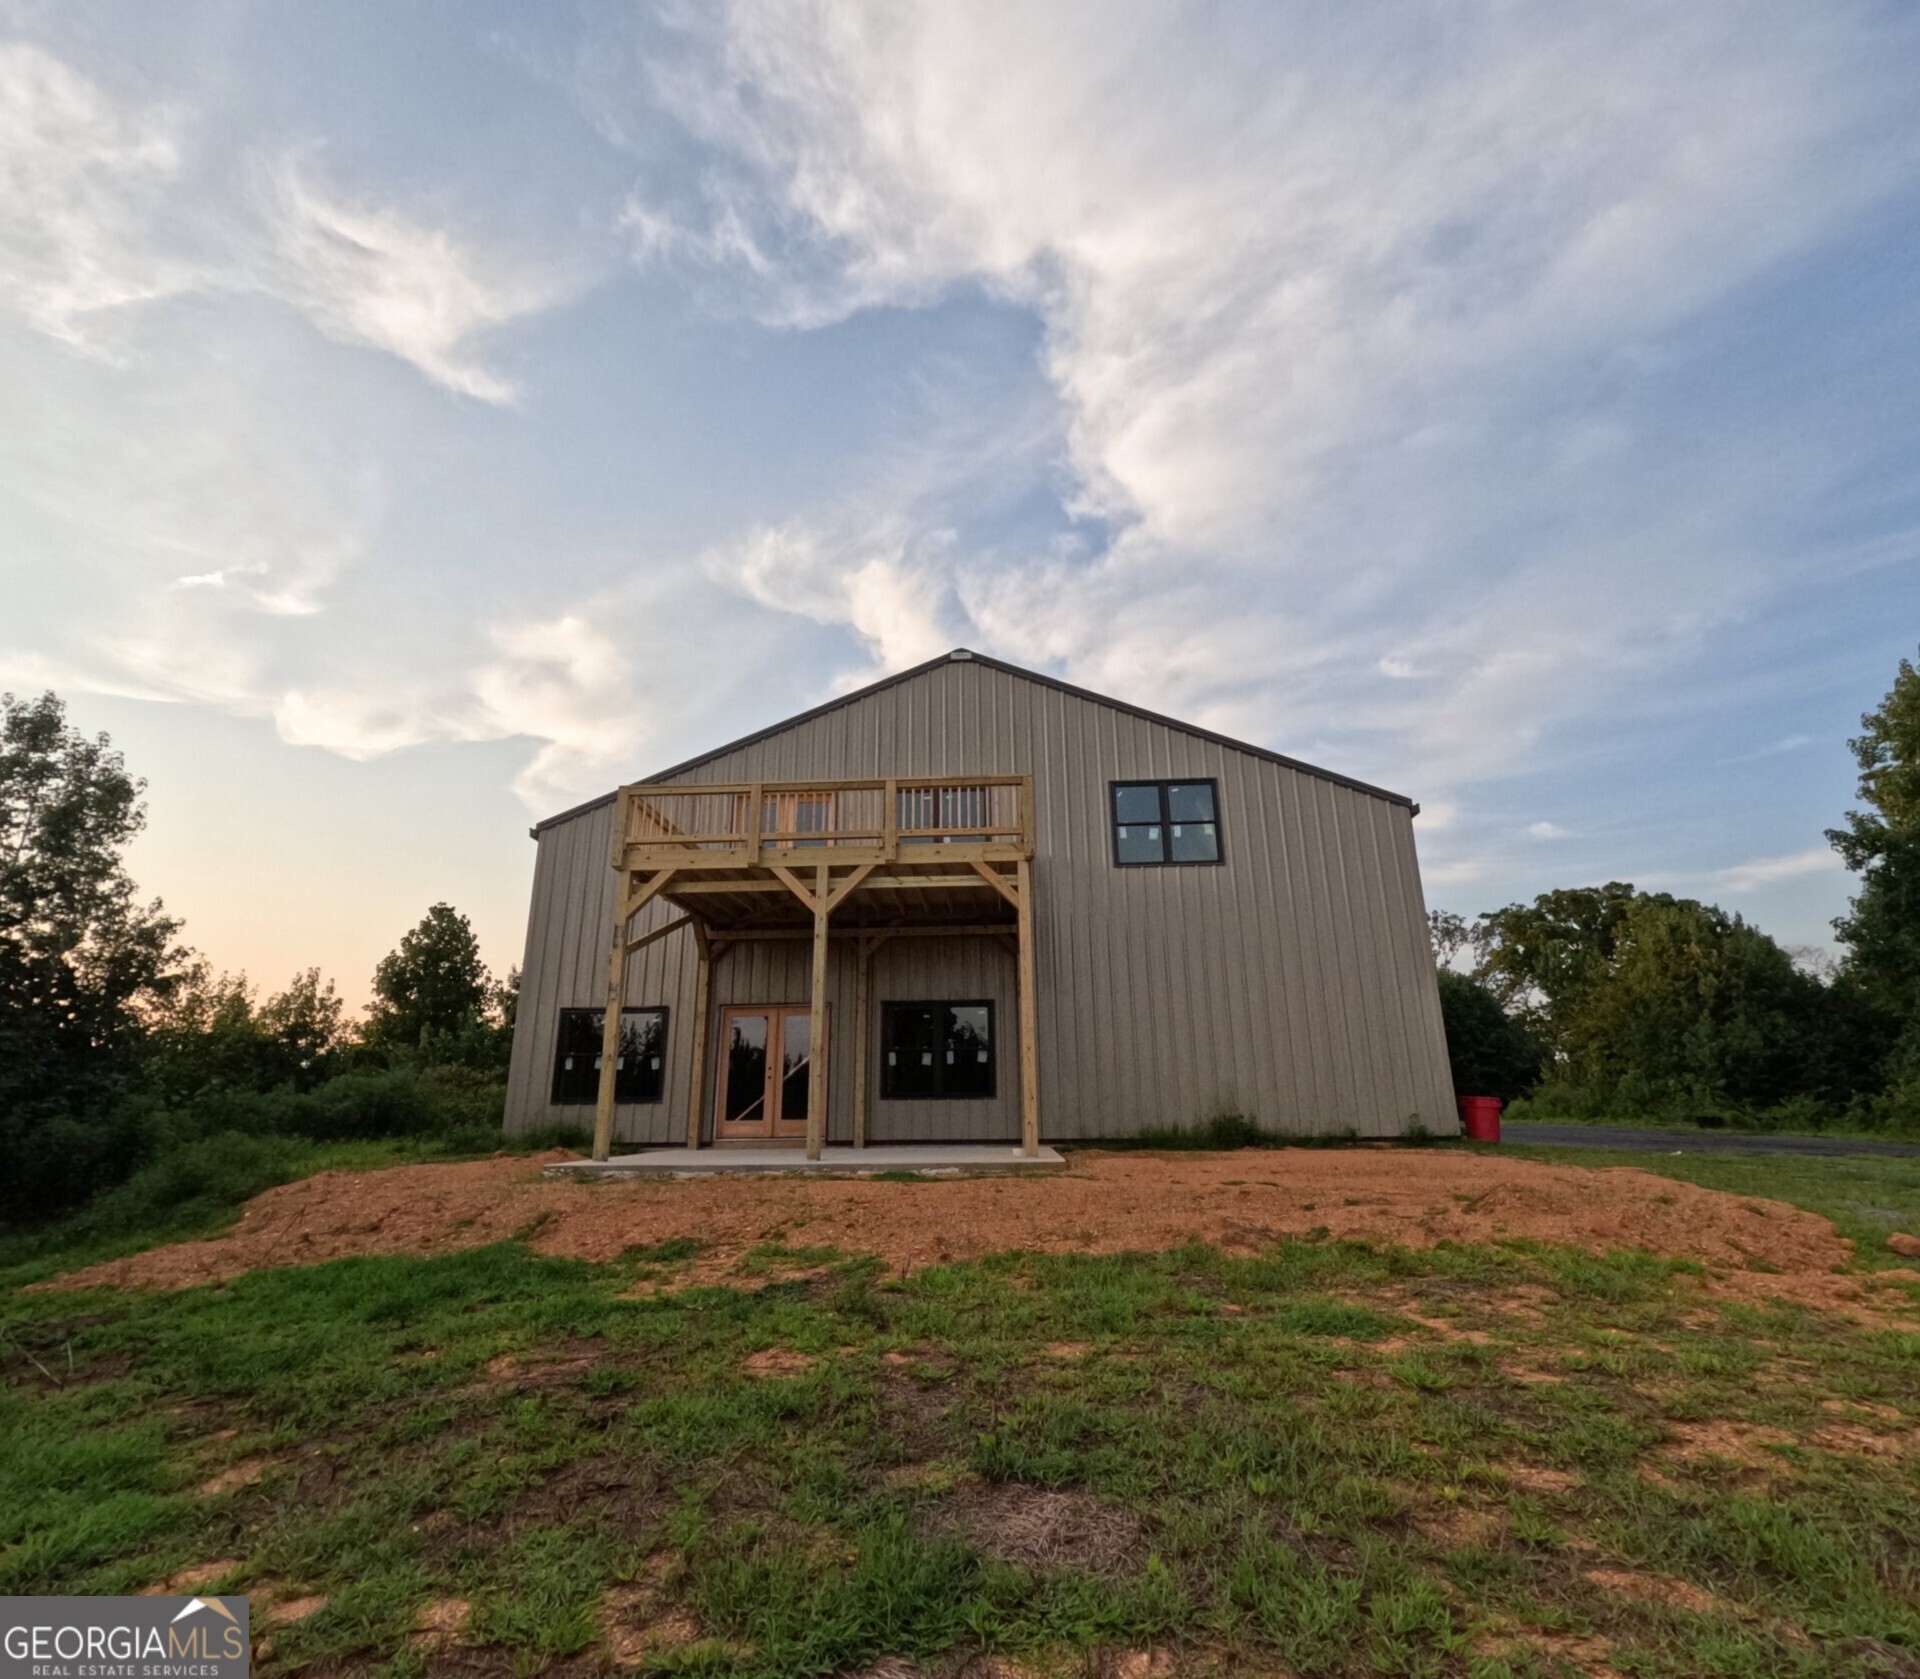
1107	1202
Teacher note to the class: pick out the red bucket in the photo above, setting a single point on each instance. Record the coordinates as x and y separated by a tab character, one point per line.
1480	1118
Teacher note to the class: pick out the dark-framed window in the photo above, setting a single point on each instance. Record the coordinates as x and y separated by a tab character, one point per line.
641	1075
936	1051
1160	822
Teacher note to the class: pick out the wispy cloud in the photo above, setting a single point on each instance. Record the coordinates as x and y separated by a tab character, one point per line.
101	209
1304	317
1763	872
1547	831
82	177
889	588
368	274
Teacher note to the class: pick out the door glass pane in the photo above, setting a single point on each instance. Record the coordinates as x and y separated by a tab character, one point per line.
746	1067
795	1070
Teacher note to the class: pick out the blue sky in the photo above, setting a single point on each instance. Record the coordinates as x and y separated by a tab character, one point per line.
421	418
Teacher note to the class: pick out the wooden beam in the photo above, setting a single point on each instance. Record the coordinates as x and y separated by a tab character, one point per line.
793	883
1029	1022
998	882
862	1037
919	882
817	1034
610	1042
916	930
702	1007
644	896
700	888
646	939
840	892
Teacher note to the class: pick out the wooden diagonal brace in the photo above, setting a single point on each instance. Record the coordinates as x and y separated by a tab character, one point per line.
659	933
840	892
639	901
794	884
998	882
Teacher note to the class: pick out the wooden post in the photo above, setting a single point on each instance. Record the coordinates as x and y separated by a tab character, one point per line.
702	1007
610	1040
817	1036
1029	1018
862	1038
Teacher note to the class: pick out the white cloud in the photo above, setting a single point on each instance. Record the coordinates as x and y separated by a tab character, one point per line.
1296	317
100	209
570	686
892	593
1547	831
81	180
1763	872
367	274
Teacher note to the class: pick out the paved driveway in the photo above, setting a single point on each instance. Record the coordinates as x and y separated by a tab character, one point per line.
1692	1142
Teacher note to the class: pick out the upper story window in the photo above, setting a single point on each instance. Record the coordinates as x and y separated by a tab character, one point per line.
640	1075
1165	822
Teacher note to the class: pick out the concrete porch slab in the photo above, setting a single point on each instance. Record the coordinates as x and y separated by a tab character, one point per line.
934	1160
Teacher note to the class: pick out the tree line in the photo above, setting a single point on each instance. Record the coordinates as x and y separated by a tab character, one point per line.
119	1044
126	1061
1606	1001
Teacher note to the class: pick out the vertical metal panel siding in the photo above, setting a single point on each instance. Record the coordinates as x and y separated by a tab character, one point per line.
1292	983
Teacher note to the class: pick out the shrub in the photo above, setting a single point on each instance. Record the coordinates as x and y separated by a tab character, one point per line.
1490	1053
52	1163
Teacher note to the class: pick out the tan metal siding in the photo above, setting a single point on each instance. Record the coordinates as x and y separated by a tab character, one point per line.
1292	983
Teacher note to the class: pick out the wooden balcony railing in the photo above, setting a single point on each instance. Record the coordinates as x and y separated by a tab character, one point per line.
754	823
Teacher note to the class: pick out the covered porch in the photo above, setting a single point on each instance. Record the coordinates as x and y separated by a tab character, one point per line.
862	861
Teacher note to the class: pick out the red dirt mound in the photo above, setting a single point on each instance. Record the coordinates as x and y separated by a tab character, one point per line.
1107	1202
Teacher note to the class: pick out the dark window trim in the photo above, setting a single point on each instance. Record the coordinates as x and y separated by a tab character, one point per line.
1168	862
663	1010
992	1092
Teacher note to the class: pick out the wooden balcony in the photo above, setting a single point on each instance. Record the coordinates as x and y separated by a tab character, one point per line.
870	860
750	824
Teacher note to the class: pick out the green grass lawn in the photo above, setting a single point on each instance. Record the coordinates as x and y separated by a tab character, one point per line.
1328	1460
1867	1197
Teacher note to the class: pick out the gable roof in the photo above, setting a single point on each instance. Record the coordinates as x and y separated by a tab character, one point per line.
965	655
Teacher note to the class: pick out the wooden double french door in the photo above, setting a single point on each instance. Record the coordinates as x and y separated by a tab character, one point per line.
766	1069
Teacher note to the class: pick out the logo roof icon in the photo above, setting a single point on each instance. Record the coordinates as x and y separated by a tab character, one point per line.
195	1604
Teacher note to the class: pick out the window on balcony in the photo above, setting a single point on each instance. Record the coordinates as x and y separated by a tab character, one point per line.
1160	822
641	1074
936	1051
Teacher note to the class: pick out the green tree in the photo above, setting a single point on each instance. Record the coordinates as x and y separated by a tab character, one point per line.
1544	960
1489	1052
1699	1012
433	993
1449	934
1644	1001
80	956
305	1026
214	1034
1882	845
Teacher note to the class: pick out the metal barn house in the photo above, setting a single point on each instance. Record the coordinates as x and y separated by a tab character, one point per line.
971	903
